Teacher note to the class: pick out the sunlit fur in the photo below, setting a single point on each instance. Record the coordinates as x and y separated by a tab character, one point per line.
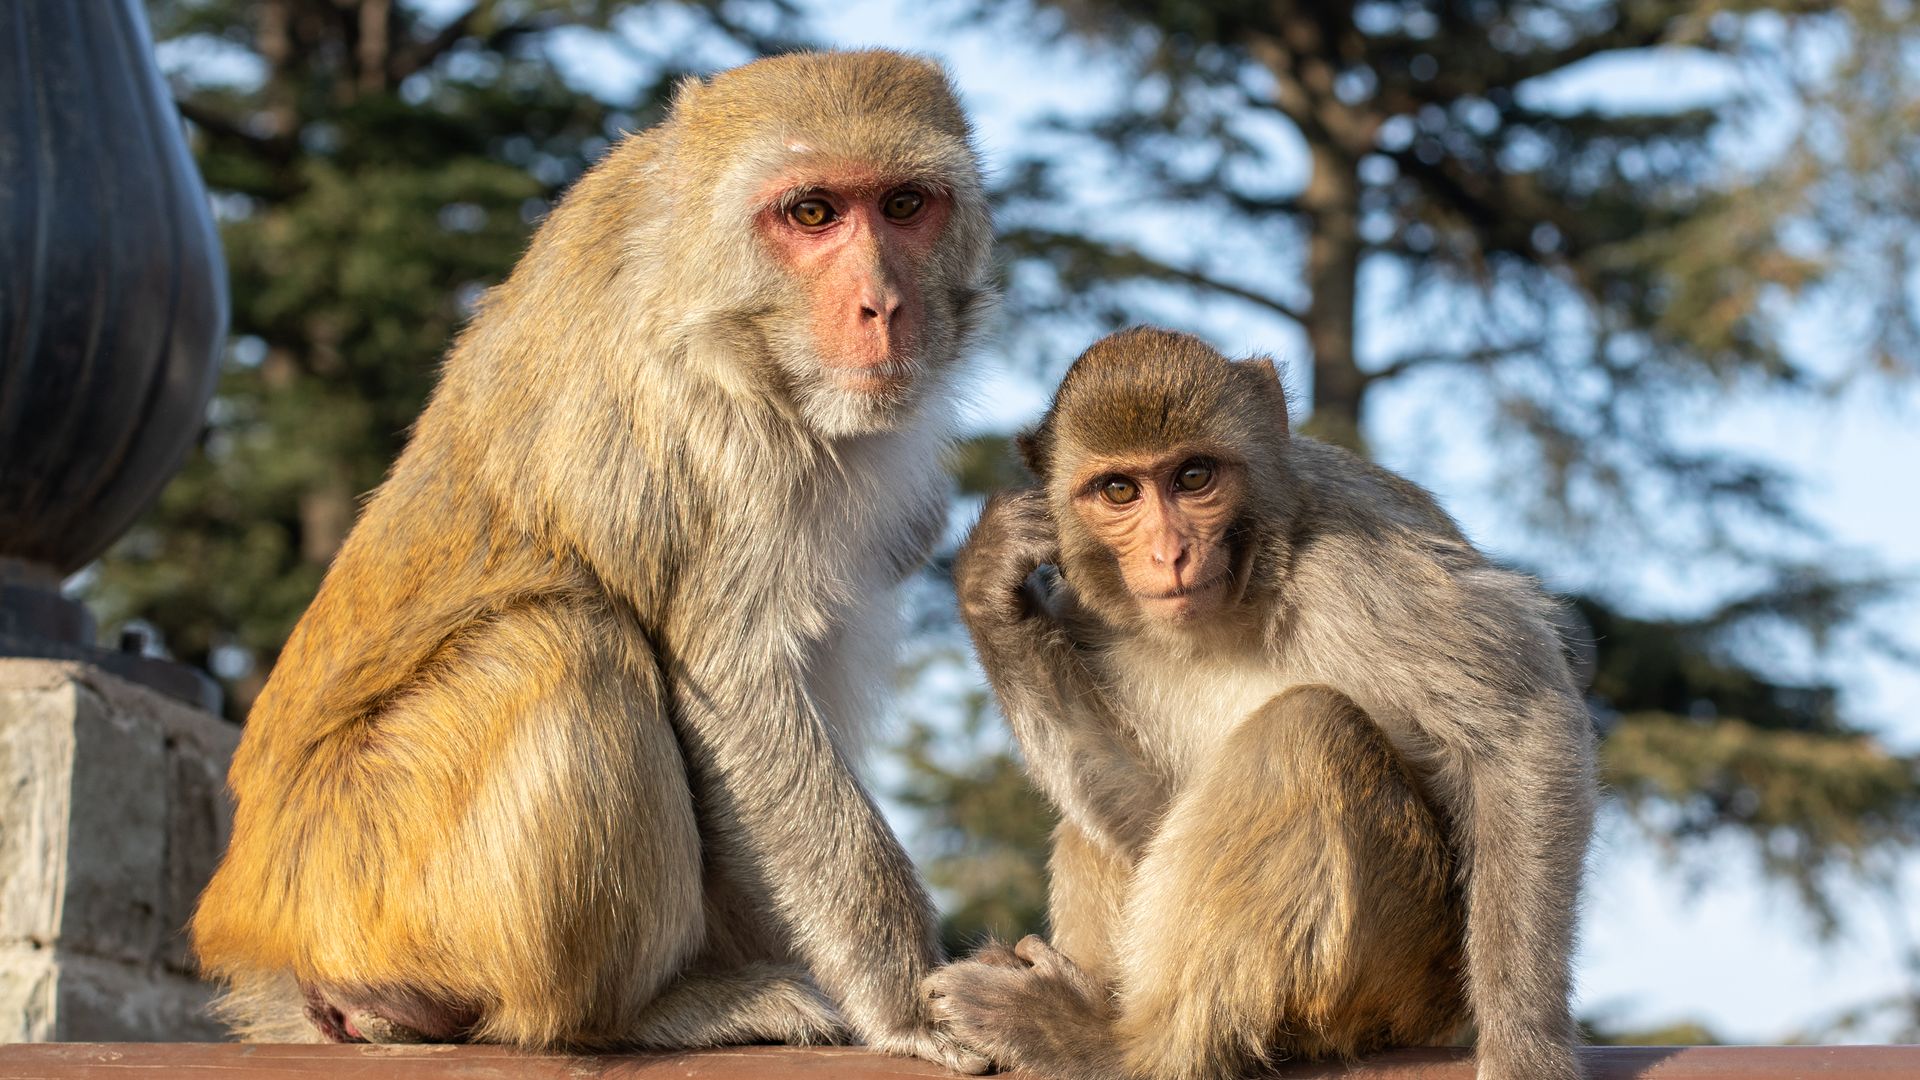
1341	813
562	747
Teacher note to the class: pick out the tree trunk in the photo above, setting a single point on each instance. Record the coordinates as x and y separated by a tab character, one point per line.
1332	201
1302	56
376	25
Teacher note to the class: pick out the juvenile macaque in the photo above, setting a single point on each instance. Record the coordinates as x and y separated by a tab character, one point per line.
1324	779
560	754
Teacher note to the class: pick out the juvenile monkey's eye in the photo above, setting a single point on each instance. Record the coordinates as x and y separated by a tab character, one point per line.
1119	490
903	204
1193	476
811	213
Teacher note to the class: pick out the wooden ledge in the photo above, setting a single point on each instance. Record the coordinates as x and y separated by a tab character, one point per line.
230	1061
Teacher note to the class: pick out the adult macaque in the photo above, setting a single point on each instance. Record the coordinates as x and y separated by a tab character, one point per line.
560	753
1324	779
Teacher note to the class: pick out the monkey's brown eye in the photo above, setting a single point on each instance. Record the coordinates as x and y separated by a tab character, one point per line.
1193	476
903	204
811	213
1119	491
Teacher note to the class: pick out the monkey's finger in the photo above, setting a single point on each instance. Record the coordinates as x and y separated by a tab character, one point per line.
938	1046
962	1060
938	985
1050	962
1014	501
962	975
997	954
1034	950
1039	547
1022	513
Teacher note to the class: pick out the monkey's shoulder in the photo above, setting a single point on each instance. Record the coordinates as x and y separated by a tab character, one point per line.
1365	495
1378	561
1405	577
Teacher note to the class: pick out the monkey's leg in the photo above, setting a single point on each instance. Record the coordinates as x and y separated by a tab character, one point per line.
586	833
1087	887
1023	1014
1297	902
508	849
1028	1008
744	986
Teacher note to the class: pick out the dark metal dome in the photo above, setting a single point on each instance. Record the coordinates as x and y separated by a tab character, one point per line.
112	290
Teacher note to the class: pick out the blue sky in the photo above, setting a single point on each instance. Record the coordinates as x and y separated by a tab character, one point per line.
1718	945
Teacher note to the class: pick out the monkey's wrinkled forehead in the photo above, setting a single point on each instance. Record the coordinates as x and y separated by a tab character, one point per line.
895	114
1142	389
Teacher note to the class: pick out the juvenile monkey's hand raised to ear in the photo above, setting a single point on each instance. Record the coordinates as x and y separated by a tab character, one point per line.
1014	537
1025	641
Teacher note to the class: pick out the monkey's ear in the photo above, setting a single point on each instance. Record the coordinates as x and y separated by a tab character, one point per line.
1259	377
686	91
1033	453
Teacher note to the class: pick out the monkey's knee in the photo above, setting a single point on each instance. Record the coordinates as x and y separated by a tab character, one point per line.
1347	774
1315	713
1325	741
1366	942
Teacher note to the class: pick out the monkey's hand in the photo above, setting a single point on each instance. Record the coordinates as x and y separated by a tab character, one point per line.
1014	537
1028	1007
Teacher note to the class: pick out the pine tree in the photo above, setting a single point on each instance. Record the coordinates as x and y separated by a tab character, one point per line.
373	169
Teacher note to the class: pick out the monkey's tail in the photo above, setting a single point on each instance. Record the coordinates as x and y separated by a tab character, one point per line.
266	1007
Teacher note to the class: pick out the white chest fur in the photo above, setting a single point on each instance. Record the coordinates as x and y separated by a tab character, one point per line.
871	515
1188	705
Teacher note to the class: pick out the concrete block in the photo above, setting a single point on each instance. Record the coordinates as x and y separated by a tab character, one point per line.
112	815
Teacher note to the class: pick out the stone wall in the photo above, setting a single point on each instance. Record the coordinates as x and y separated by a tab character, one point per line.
112	814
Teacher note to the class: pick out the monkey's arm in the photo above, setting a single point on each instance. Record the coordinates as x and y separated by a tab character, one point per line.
1075	751
1528	813
783	815
1517	762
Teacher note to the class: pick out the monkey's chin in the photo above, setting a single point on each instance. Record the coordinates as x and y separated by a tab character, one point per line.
1187	607
862	401
893	378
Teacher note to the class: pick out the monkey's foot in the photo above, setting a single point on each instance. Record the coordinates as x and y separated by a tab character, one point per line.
935	1045
1029	1007
404	1016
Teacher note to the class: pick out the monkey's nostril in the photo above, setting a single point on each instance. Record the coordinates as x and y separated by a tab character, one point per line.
868	313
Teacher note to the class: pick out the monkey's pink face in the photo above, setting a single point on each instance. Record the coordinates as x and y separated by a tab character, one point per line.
859	245
1166	520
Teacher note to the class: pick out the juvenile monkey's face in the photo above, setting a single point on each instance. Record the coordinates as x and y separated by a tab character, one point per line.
1167	521
860	248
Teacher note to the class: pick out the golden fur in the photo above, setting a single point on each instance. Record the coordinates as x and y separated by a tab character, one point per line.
561	753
